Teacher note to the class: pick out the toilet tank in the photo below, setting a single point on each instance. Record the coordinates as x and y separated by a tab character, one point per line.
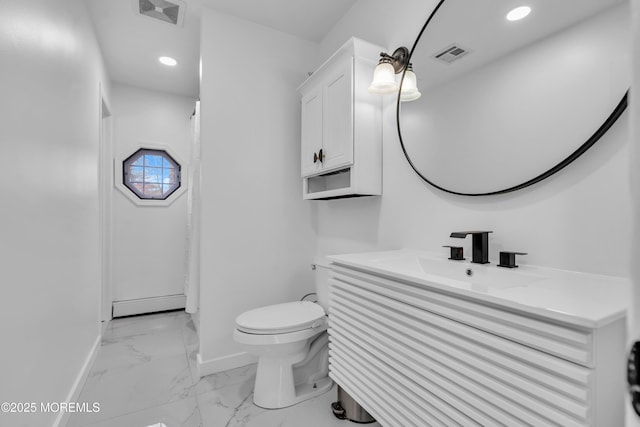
322	281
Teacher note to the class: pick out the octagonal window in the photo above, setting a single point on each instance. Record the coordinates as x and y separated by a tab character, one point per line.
151	174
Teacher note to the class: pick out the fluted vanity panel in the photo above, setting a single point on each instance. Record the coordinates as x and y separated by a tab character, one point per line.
414	356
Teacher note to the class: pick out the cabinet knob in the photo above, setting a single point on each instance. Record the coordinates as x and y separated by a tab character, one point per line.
315	158
321	156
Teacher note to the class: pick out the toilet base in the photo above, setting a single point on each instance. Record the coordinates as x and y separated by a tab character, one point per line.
303	373
302	392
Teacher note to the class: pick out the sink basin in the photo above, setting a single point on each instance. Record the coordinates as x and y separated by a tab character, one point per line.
488	276
579	298
462	274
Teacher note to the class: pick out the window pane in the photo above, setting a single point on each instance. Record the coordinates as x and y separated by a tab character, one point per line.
166	163
139	186
153	175
153	190
154	160
139	161
136	174
169	176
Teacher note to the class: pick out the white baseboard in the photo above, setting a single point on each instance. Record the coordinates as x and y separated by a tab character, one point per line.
148	305
224	363
78	384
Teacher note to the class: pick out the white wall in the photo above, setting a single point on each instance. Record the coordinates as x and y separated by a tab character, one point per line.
50	82
580	219
149	242
257	232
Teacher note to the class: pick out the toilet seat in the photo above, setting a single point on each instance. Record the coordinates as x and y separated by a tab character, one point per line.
273	339
281	318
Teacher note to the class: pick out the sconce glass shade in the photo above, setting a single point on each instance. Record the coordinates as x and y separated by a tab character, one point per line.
384	80
409	91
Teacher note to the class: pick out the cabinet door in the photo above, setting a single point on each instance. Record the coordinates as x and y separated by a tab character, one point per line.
311	131
337	141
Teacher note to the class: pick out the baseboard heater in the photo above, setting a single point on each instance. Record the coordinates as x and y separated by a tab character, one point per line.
148	305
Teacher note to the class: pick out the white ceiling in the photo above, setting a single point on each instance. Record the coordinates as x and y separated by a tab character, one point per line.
131	43
482	29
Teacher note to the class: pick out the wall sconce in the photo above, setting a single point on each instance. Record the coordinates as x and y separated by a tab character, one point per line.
409	90
384	80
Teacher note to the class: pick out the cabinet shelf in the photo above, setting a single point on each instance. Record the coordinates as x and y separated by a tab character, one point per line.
337	184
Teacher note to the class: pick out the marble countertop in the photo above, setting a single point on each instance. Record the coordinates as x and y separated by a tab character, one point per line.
581	299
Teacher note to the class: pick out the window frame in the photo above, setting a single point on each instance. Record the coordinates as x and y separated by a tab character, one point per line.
128	164
121	173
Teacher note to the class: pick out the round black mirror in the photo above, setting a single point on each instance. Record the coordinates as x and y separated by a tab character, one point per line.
506	104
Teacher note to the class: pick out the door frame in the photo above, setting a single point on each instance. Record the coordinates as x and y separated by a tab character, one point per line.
105	178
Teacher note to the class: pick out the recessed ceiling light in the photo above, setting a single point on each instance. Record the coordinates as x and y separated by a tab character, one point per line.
167	60
518	13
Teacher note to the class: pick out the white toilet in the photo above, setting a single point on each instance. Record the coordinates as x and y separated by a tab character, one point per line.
291	343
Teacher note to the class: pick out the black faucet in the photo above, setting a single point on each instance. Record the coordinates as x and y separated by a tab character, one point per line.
480	244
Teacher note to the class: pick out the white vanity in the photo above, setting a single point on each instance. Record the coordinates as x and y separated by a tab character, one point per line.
420	340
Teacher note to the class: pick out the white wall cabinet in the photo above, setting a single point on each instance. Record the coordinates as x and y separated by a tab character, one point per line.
341	140
327	121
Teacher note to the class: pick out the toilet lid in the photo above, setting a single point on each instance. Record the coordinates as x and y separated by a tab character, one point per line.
281	318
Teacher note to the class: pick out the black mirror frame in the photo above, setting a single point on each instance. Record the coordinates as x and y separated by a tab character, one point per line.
617	112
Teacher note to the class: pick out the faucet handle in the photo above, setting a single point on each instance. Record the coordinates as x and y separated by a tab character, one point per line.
457	253
463	234
508	259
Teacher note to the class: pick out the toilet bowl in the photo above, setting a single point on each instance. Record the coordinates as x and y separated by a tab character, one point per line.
291	343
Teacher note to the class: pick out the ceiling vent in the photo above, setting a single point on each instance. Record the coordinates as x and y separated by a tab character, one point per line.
171	12
451	53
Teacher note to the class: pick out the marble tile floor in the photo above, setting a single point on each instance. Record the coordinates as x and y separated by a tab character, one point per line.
145	375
